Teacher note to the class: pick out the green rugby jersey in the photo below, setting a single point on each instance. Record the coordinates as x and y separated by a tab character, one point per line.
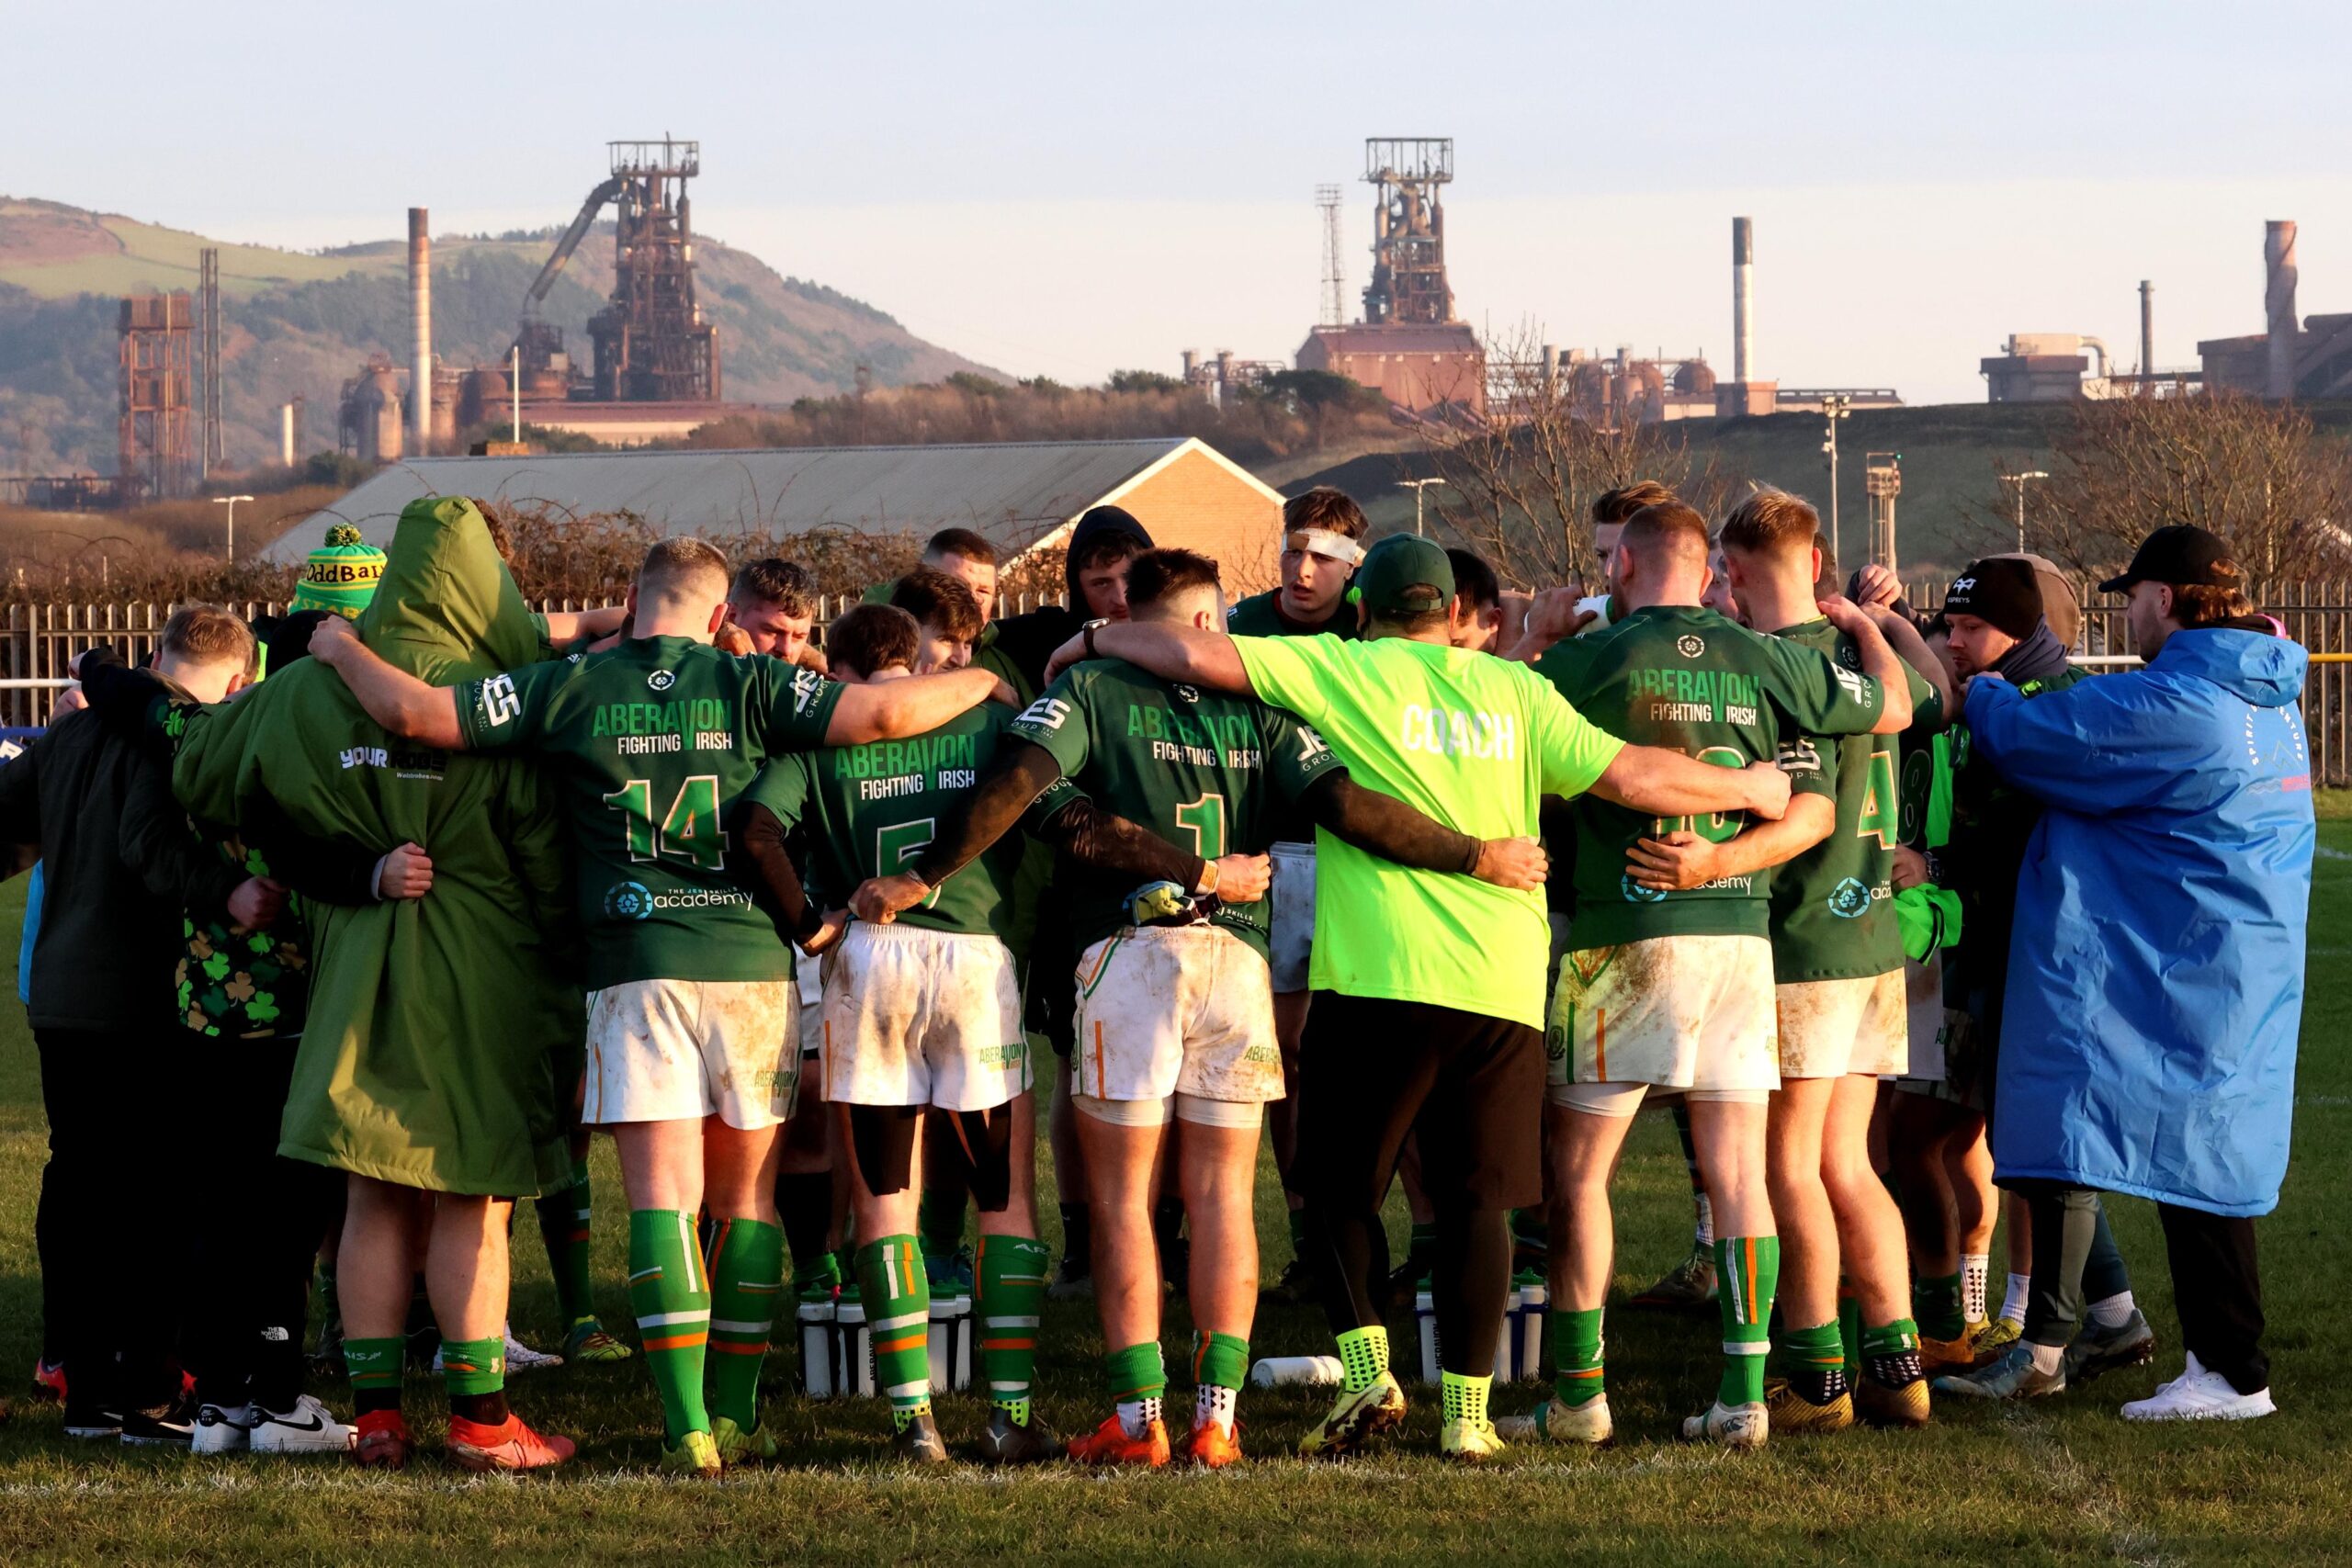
1207	770
872	809
1258	617
1832	914
649	743
1689	680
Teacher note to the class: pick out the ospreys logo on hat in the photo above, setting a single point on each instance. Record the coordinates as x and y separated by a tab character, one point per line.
340	576
2002	591
1405	575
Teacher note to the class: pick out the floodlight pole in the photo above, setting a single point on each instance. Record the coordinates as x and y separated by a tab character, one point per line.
231	503
2019	480
1417	486
1833	409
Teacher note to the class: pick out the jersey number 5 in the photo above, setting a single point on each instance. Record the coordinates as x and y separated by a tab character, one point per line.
690	832
894	846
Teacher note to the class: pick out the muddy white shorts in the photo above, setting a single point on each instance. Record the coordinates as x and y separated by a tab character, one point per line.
1290	936
1831	1028
680	1050
1925	1024
918	1017
811	983
1169	1010
1674	1011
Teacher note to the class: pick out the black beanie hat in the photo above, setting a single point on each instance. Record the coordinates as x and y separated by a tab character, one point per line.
2001	591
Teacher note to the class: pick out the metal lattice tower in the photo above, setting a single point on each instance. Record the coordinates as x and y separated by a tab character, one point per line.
1883	481
156	453
1334	275
653	344
1408	281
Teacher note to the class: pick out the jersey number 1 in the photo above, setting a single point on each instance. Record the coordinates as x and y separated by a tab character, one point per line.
1206	819
690	832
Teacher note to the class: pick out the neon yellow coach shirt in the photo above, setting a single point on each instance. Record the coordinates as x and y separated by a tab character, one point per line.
1469	738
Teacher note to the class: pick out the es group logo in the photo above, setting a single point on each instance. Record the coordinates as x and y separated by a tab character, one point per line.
661	679
1691	644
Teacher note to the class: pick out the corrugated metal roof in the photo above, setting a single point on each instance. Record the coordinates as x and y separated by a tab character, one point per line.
1010	492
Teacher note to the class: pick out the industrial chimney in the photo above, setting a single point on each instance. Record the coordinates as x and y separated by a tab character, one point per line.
2147	331
2279	303
1743	297
420	318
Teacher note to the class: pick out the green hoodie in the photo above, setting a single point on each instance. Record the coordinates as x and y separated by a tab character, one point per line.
439	1028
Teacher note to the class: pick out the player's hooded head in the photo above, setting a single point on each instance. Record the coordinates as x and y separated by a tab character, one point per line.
1770	537
1178	586
948	614
1660	559
681	591
1101	546
1474	620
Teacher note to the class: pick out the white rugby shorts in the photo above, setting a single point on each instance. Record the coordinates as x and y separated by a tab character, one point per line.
1671	1011
1290	937
1831	1028
921	1017
680	1050
1176	1009
1925	1024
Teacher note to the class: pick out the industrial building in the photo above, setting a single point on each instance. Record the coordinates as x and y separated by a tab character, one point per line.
655	369
2312	358
1411	346
1021	495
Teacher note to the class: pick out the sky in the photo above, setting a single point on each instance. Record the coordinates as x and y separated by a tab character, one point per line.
1065	191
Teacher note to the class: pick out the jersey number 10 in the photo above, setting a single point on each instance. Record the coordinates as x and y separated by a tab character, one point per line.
1718	826
690	832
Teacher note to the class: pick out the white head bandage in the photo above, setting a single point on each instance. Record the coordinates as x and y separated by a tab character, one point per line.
1324	543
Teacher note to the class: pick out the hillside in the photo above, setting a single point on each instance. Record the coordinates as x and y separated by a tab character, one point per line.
302	322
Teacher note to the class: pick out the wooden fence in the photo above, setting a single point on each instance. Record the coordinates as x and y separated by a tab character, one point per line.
37	640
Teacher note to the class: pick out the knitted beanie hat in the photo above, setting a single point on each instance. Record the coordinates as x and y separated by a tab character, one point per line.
341	575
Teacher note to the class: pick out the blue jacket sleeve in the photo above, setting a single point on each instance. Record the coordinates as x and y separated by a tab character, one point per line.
2097	747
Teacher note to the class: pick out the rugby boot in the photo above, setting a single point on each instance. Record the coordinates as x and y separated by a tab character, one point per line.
1558	1421
1110	1444
1355	1419
2098	1351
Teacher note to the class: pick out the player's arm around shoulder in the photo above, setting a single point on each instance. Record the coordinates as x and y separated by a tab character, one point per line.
893	710
393	698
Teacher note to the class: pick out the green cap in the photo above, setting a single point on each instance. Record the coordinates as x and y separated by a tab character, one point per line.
1397	566
340	576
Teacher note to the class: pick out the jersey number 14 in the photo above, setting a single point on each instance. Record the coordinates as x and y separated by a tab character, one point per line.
689	832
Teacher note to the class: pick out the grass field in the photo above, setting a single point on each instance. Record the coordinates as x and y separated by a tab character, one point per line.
2059	1481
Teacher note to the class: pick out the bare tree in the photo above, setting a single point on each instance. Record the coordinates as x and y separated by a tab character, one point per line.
1521	480
2254	472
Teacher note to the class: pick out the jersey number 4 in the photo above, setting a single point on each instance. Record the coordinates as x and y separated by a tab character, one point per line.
690	832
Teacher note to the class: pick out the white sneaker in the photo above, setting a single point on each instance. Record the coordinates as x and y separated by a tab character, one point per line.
220	1430
521	1358
2200	1395
308	1429
1733	1425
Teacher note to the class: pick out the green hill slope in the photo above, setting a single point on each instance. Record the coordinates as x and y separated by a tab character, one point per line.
300	323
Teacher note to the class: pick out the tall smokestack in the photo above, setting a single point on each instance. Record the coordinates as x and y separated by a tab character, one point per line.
420	322
286	433
1743	297
2279	303
2147	328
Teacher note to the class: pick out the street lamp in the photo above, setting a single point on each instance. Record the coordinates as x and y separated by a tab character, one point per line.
1833	408
231	503
1417	486
2019	480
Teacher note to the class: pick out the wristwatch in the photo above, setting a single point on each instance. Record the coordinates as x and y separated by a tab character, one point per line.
1206	886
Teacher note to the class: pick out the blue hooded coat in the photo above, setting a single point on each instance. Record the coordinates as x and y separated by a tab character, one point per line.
2155	982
